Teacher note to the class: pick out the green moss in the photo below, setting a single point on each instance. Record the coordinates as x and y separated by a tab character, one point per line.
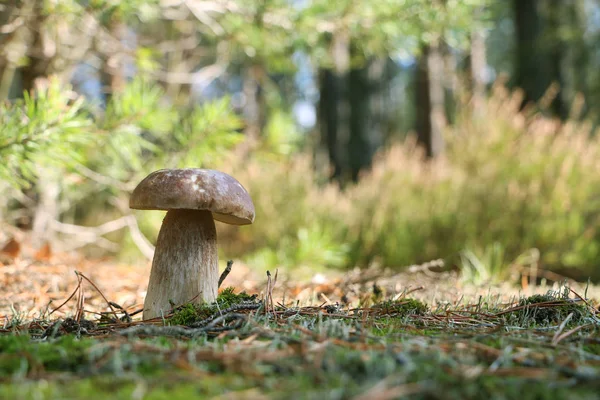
167	386
401	308
536	308
227	297
191	313
20	355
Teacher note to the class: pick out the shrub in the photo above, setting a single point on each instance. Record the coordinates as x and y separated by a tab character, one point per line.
512	177
298	222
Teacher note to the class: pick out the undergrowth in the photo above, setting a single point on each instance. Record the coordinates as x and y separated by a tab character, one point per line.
400	348
188	314
513	177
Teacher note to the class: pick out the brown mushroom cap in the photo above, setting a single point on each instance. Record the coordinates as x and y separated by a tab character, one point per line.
195	189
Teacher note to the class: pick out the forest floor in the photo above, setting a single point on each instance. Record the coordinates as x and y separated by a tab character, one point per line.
69	329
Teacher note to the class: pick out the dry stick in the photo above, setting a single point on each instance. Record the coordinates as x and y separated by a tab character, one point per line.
582	299
225	272
269	303
403	294
543	304
152	330
565	335
561	328
86	234
101	294
124	311
271	289
142	243
139	239
267	291
272	286
94	234
80	301
70	297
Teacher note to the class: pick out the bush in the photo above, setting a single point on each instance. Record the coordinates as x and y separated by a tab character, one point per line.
298	222
514	178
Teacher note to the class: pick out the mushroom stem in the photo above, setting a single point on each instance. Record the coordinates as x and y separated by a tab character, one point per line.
185	264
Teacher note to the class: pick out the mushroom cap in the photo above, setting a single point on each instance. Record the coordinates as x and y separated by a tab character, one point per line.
195	189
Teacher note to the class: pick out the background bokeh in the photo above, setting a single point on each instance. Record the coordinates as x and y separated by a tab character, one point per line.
368	133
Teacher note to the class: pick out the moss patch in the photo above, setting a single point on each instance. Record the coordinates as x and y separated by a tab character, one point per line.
549	308
401	308
191	313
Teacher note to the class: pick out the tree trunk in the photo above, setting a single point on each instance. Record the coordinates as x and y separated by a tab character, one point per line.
352	111
556	48
478	71
47	208
328	120
359	147
379	76
580	55
254	107
540	52
15	49
531	73
334	107
430	101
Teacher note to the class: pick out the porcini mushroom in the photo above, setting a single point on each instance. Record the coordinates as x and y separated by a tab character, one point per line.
185	263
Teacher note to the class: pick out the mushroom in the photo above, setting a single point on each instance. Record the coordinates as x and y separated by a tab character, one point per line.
185	263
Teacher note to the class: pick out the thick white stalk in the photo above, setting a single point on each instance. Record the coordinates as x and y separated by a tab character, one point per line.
185	264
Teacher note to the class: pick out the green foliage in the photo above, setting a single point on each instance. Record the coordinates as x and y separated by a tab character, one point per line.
207	133
385	27
281	137
492	266
44	129
515	188
144	132
312	248
298	222
135	122
97	156
489	267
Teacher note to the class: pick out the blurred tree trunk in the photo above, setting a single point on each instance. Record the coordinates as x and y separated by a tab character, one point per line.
451	84
379	76
531	71
359	147
555	45
38	65
478	65
430	115
13	43
112	70
578	55
334	107
255	106
352	110
47	207
328	119
540	51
